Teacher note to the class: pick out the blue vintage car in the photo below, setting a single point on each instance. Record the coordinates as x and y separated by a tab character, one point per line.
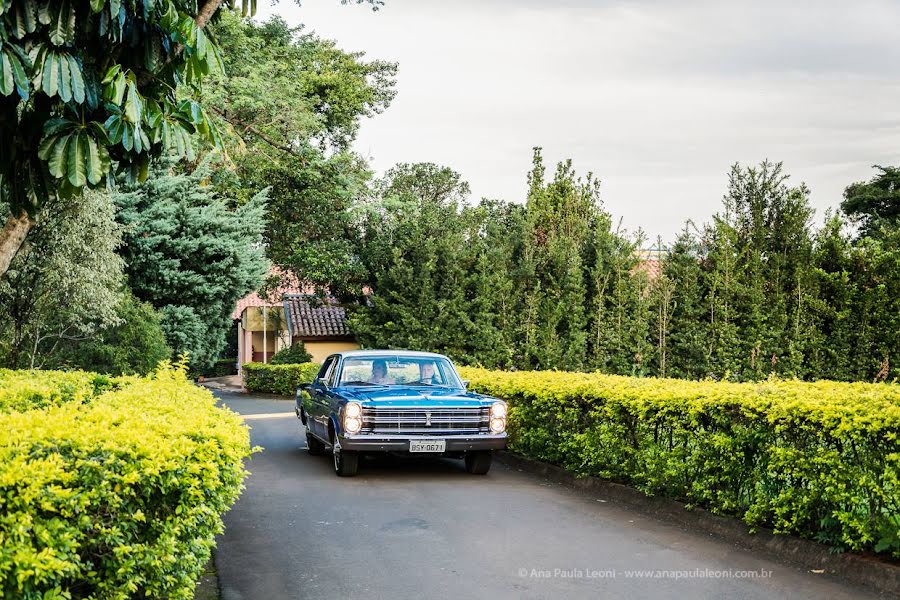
370	401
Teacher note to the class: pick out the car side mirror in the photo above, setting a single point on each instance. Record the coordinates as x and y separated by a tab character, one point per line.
466	383
304	386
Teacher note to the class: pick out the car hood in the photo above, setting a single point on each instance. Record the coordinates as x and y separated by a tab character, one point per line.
414	396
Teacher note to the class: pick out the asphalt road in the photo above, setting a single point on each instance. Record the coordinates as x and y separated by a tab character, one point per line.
426	529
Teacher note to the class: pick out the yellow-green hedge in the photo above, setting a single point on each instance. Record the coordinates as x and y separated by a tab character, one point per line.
820	460
118	495
278	379
24	390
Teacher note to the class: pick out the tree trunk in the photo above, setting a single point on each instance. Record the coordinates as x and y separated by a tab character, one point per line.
11	238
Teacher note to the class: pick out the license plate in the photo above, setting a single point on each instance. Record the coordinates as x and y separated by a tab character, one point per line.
427	445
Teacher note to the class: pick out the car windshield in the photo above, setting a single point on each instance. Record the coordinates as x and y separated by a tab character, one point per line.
398	370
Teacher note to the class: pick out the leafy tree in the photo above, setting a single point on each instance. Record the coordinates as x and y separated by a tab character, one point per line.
284	88
560	215
688	345
88	85
414	232
875	203
135	345
290	106
63	285
190	256
294	354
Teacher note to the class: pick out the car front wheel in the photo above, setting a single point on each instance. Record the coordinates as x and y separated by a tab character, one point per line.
346	463
479	463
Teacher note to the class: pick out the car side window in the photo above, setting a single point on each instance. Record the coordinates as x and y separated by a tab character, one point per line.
326	369
331	376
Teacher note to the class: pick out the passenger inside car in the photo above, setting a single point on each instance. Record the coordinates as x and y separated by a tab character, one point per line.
380	373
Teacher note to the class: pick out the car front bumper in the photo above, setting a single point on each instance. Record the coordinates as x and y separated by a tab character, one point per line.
366	442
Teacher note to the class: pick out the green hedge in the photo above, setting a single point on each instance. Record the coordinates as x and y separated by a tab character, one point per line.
278	379
820	460
113	493
26	390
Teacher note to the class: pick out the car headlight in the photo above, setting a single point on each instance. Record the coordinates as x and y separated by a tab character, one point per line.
352	417
498	417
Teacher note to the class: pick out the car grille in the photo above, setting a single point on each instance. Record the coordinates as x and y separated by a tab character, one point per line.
441	421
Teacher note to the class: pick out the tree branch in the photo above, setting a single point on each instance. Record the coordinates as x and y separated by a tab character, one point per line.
11	238
247	127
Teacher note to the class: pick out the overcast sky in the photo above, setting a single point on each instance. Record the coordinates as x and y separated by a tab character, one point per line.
657	98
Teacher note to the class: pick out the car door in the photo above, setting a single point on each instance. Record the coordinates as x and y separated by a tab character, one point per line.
320	398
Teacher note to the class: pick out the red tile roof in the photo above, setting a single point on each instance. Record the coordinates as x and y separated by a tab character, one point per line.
289	286
311	317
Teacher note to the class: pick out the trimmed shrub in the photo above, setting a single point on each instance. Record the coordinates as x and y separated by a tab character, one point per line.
820	460
119	496
278	379
292	355
28	390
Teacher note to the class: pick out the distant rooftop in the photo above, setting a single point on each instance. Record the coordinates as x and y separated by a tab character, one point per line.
310	317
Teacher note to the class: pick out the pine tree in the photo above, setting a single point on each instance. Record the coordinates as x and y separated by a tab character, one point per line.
190	256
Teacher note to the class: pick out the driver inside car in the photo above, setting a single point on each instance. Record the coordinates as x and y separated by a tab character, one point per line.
427	374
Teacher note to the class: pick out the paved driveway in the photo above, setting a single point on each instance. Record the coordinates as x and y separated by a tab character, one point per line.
413	529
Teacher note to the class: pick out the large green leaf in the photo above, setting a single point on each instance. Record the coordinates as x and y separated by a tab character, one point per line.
56	156
65	78
76	159
50	74
77	83
133	104
7	78
45	12
115	128
93	162
127	136
25	17
62	29
19	76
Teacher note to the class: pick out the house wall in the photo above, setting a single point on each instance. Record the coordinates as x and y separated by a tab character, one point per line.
274	341
321	350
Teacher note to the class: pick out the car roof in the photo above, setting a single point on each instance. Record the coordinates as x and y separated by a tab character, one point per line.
410	353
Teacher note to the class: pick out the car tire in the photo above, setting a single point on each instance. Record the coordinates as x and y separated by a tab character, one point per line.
346	463
313	445
479	463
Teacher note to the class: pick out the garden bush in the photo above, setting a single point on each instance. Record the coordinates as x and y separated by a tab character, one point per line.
820	460
27	390
113	492
278	379
292	355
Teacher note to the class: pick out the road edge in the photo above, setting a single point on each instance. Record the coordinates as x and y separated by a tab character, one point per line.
208	585
877	575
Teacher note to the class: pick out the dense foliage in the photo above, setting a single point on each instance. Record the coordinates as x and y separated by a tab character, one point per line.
190	256
135	345
278	379
820	460
292	355
552	285
290	106
122	494
26	390
63	286
86	87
